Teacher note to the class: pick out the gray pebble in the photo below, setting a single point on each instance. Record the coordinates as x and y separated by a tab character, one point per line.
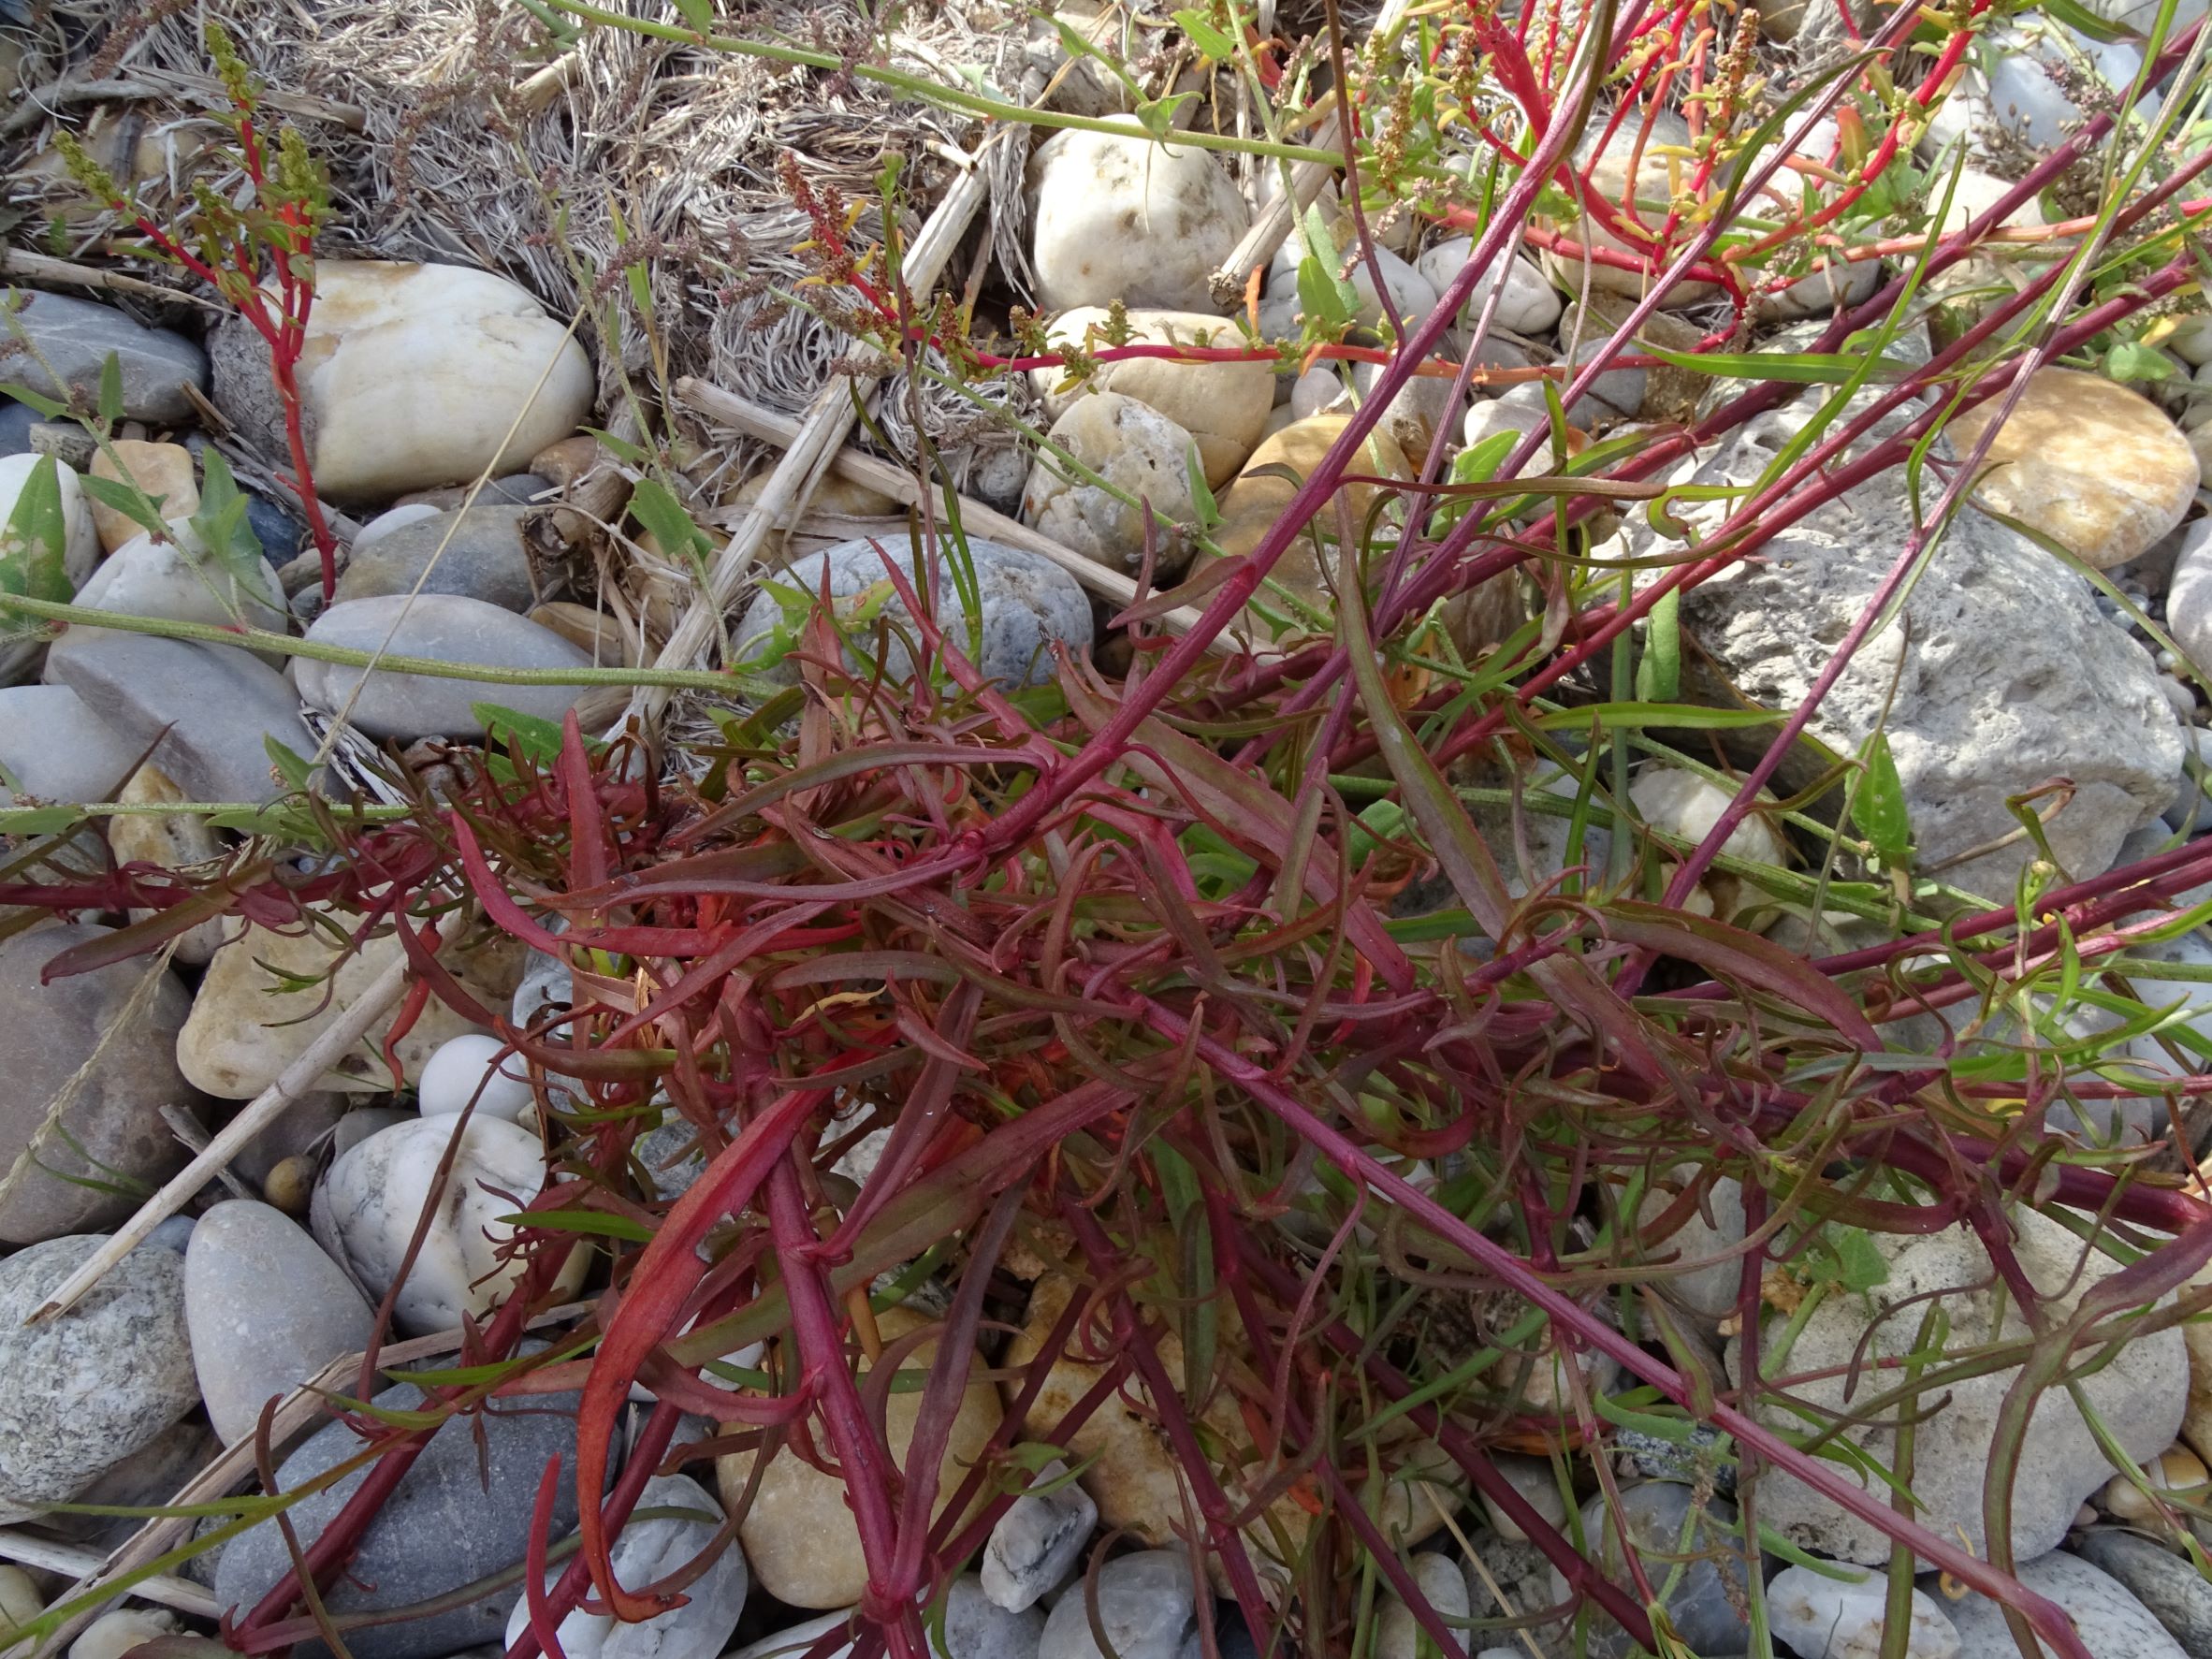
1708	1594
479	553
444	628
75	336
1146	1603
1037	1541
2165	1583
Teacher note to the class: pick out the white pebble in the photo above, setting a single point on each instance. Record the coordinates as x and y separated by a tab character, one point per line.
450	1079
113	1635
20	1601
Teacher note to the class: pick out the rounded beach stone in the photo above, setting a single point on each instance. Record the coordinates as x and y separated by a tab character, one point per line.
109	1040
444	628
415	375
1223	406
265	1308
1824	1618
113	1635
176	579
373	1195
2096	467
2112	1624
1126	218
643	1552
799	1535
1138	451
1146	1604
475	1068
85	1390
1029	604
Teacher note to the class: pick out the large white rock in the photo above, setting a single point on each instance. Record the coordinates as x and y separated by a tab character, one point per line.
1223	406
1530	305
1823	1618
2009	676
1129	219
372	1198
412	378
178	579
2141	1395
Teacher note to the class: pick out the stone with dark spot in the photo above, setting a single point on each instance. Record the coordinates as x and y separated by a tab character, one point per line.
118	1030
85	1390
1124	218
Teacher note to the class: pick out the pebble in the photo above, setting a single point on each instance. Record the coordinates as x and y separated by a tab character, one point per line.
113	1635
799	1535
247	1024
1708	1594
2176	1470
75	336
20	1600
1412	297
976	1627
1824	1618
1139	452
83	1390
479	553
386	522
180	580
797	1639
1533	1479
1036	1544
460	1513
168	841
444	628
1681	804
420	372
1223	406
58	749
122	1041
15	421
470	1069
1146	1604
2098	467
267	1310
2140	1397
163	472
1695	1459
1443	1584
1616	394
1530	305
1124	218
208	712
372	1196
2168	1585
2112	1624
643	1552
2189	594
1029	604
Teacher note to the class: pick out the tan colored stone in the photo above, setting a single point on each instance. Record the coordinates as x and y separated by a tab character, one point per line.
2096	467
1134	1477
1223	406
169	841
162	471
246	1026
1252	504
800	1539
2176	1470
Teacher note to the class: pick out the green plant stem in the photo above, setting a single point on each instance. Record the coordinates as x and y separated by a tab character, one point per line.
259	639
929	92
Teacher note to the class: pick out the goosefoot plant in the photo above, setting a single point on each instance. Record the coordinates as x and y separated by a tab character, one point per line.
259	255
1321	1170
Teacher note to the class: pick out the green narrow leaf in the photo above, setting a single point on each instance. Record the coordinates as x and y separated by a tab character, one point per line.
51	408
597	1223
33	549
698	15
227	534
1659	673
1317	296
1202	493
127	498
1798	367
1879	809
293	768
111	391
621	449
1690	716
528	734
1674	1430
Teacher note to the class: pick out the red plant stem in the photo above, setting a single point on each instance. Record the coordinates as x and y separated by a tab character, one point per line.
1567	1316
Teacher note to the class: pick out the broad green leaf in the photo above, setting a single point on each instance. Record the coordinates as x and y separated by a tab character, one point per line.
2131	360
697	14
1157	115
293	768
1879	808
1318	295
226	532
1659	672
110	391
1798	368
34	549
1205	37
663	517
529	735
1860	1265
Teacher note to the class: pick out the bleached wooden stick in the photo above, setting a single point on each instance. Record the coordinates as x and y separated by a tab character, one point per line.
296	1080
757	421
1271	225
815	440
79	1561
